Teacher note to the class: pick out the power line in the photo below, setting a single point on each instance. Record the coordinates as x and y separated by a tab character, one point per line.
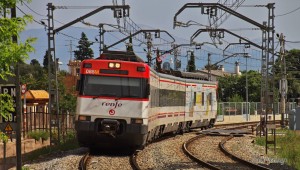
292	41
33	10
288	12
28	15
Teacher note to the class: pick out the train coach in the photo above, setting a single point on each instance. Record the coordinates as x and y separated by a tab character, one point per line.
122	101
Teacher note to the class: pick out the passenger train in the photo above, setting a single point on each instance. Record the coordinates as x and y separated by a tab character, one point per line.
124	101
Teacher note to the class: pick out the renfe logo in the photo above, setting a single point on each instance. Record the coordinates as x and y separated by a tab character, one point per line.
114	105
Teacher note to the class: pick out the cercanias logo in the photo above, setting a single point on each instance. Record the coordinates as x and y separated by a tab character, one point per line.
112	104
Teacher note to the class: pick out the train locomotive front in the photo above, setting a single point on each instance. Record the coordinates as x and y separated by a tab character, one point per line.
112	103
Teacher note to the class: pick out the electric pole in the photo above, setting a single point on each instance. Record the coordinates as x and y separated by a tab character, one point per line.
149	46
18	102
283	82
208	65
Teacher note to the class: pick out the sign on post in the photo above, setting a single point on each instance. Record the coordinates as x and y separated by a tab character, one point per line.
23	88
10	90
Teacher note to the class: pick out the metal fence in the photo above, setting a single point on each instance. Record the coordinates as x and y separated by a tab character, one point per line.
33	121
254	108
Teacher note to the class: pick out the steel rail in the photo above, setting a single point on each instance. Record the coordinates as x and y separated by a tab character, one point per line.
236	158
133	162
83	161
190	155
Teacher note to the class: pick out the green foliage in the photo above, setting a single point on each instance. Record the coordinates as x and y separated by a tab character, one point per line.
236	98
12	52
34	76
71	135
191	67
261	141
6	105
45	61
84	51
289	146
35	62
129	45
3	137
68	103
292	72
37	135
232	84
25	168
68	145
44	135
34	135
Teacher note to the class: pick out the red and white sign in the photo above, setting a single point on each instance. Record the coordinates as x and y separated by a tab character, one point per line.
23	88
111	112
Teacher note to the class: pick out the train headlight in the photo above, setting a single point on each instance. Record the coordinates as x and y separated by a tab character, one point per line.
114	65
84	118
136	121
117	65
111	65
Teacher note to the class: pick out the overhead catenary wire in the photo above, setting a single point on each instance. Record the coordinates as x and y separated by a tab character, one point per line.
288	12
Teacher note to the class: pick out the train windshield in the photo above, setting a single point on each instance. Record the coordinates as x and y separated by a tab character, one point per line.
121	87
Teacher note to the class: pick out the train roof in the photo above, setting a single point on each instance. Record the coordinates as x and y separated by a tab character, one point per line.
198	76
120	55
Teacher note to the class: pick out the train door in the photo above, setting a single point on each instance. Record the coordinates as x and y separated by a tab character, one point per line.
189	107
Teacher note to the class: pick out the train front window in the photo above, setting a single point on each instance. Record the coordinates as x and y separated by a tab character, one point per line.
114	86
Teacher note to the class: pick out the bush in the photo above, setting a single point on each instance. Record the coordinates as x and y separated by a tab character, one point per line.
3	137
34	135
290	148
70	135
37	135
44	135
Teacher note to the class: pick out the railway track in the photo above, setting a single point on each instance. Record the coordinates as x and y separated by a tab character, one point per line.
108	161
219	158
156	156
84	161
250	164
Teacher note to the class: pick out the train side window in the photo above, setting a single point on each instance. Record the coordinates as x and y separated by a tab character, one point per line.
209	97
195	98
202	98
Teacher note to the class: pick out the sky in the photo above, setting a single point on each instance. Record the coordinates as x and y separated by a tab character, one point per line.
159	14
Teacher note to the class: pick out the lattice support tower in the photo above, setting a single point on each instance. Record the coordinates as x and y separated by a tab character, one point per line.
270	84
53	104
221	16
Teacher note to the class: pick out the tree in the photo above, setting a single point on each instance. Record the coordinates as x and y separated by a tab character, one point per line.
45	61
231	85
292	60
34	75
11	52
84	51
129	45
191	64
35	62
212	67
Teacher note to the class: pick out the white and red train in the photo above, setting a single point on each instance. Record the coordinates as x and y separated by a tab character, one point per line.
123	101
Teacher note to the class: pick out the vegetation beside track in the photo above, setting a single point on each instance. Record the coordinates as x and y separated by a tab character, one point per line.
287	147
69	144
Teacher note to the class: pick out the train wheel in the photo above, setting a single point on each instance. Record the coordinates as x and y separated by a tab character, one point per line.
179	130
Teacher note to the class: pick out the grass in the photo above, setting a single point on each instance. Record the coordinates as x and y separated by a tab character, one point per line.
68	145
288	147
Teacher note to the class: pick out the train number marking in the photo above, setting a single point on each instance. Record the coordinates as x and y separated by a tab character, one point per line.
111	112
